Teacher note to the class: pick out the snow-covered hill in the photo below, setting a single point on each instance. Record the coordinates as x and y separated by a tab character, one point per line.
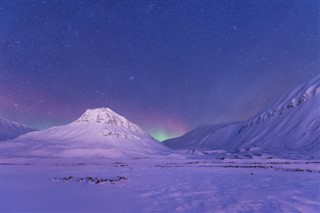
11	129
98	132
290	127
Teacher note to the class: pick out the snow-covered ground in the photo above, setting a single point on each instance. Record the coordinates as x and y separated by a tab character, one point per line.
168	183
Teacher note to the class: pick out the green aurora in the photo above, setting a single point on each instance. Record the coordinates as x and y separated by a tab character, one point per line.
161	136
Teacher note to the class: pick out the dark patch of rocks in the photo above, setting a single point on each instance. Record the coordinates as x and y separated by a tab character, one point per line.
91	180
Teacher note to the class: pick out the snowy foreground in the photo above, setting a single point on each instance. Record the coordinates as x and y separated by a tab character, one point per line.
162	184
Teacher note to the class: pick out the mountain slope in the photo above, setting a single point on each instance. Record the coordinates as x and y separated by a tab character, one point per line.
98	132
11	129
289	126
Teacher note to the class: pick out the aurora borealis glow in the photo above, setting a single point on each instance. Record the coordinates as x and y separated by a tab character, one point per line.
161	136
168	66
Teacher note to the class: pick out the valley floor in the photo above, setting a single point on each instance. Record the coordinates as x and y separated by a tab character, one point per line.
159	185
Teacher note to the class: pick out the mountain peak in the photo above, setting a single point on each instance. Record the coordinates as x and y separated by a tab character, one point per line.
107	117
11	129
289	128
296	98
97	132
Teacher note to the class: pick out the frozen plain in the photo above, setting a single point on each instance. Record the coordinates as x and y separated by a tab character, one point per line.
173	183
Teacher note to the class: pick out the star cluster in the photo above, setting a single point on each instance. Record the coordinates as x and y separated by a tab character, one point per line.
168	66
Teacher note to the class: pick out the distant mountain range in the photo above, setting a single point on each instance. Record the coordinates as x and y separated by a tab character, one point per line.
11	129
289	127
98	132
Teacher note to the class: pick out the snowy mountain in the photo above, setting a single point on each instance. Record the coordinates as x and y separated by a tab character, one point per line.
290	127
98	132
11	129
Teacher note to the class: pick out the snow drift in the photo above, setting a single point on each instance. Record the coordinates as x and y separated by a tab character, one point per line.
290	127
98	132
11	129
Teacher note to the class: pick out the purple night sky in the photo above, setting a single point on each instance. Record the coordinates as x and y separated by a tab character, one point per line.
168	66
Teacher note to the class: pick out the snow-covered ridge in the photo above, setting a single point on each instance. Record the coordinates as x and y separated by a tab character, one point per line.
107	116
296	98
97	133
11	129
288	128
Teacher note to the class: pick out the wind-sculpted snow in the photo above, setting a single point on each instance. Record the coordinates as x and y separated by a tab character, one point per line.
289	128
11	129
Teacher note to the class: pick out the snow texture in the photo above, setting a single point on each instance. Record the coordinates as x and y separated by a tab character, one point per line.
159	184
288	128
